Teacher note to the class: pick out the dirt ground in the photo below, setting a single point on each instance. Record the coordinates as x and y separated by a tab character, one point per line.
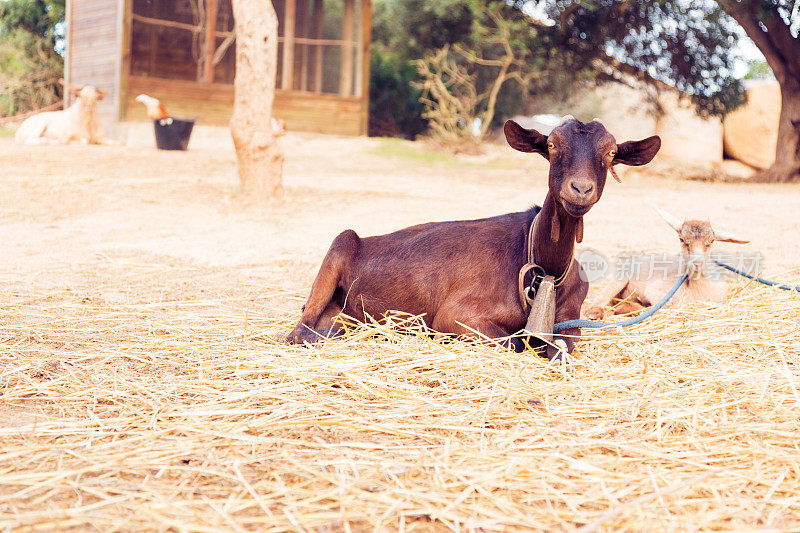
96	238
70	214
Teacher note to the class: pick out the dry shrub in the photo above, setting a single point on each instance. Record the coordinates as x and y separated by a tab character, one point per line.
459	113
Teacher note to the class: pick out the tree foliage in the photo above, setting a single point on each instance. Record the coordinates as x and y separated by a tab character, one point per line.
461	86
688	44
31	35
403	31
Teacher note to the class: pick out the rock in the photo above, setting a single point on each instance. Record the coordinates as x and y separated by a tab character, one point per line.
751	132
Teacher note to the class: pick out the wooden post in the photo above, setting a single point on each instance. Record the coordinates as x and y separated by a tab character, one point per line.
302	31
346	72
68	57
257	151
366	39
289	17
211	40
155	34
317	24
124	65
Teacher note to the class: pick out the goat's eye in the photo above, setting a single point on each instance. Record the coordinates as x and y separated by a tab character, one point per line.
612	153
551	146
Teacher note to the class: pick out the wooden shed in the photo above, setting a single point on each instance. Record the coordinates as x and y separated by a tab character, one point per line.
183	52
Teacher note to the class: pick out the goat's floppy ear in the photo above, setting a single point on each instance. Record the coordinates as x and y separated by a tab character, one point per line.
637	153
724	236
525	140
101	94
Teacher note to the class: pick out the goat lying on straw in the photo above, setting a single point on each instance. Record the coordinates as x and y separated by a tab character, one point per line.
642	289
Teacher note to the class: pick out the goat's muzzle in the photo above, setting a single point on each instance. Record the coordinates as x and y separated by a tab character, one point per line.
695	265
578	195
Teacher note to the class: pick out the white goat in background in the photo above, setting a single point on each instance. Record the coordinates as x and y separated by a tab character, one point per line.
648	283
77	123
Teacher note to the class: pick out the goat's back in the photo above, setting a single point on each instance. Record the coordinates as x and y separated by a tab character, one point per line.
33	129
417	269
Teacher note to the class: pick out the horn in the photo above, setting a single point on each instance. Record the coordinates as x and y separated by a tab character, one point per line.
566	118
724	236
674	222
68	86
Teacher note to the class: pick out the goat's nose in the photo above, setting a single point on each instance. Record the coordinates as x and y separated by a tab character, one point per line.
582	188
696	258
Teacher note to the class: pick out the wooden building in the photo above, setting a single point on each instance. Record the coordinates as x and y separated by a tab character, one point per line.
183	52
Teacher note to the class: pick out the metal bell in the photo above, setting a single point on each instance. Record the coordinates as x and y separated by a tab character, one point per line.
543	311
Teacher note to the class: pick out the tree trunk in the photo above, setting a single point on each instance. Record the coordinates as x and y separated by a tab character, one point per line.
770	32
259	156
787	152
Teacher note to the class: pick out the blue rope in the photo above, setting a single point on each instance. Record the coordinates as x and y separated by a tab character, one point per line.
569	324
760	280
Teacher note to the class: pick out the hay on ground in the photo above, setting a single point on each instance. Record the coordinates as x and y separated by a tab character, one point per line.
188	416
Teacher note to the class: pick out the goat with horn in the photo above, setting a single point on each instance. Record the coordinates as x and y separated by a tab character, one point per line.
648	283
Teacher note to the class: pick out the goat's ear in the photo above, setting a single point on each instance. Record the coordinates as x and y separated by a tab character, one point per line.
724	236
637	153
525	140
101	94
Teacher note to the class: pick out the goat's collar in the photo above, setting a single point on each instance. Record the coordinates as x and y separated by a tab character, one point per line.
532	254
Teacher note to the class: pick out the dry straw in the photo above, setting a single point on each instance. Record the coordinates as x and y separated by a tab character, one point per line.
189	416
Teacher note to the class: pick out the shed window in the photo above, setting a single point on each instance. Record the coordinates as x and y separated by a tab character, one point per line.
318	43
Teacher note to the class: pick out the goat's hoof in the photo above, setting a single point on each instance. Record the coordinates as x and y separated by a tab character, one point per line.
560	358
595	313
302	334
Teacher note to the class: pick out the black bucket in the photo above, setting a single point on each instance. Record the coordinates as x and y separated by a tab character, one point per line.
173	133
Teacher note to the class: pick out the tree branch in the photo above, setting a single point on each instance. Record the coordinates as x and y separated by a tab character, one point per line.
782	39
747	19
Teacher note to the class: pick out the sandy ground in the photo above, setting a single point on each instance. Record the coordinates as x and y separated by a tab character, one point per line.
102	246
72	217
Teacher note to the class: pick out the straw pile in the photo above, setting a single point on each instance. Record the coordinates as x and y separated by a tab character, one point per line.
191	416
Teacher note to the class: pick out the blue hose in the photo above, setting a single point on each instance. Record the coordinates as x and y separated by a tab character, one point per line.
569	324
760	280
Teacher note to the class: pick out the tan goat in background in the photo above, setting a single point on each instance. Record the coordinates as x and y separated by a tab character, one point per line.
648	283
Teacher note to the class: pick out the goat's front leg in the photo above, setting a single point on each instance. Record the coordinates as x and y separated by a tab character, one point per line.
558	352
597	308
470	321
568	307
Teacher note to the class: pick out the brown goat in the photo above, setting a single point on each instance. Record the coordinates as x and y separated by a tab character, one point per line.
462	276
